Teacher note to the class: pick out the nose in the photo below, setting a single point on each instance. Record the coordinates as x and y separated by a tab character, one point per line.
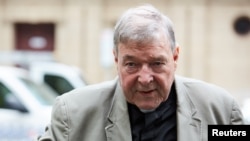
145	75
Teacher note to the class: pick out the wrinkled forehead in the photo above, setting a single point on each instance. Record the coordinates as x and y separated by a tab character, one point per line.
141	29
154	39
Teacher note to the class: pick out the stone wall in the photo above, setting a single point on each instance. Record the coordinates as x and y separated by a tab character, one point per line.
211	50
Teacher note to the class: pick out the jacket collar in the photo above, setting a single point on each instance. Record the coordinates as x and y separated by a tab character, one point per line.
188	120
118	127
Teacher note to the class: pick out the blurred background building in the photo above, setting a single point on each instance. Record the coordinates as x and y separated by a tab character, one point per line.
213	34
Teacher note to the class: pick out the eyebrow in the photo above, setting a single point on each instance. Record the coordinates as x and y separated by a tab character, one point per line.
130	57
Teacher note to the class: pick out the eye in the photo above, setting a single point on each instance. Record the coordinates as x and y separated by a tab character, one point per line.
131	67
157	64
130	64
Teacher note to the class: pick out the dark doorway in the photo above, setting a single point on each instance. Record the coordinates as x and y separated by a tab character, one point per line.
34	37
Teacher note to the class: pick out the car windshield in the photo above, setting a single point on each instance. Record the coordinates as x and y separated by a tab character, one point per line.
42	93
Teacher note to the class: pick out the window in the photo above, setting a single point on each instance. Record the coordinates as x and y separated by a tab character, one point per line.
242	25
59	84
9	101
34	37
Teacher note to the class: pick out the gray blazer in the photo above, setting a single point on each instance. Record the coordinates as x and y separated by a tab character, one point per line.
99	112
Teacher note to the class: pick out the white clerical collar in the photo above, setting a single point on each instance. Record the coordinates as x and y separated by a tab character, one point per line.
147	111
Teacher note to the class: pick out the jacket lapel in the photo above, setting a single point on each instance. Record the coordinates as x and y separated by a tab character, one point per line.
118	127
188	120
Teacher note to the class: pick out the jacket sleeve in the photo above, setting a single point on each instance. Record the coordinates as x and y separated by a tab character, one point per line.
236	116
59	127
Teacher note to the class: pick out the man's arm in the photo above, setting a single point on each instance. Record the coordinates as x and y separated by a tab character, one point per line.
58	129
237	116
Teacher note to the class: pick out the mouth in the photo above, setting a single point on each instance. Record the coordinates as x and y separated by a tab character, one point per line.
146	92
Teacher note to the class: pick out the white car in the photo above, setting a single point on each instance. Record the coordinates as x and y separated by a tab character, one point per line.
60	77
25	107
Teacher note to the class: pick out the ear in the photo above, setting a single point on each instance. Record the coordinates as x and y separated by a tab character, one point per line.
115	56
176	55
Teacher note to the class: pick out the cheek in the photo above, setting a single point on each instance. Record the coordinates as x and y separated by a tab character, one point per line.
127	92
165	81
128	84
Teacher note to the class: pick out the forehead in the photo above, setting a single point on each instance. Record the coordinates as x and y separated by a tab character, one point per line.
158	51
144	46
151	40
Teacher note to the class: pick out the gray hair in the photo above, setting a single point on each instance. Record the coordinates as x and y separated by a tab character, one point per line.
142	24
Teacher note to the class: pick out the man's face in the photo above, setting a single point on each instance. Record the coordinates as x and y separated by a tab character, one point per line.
146	71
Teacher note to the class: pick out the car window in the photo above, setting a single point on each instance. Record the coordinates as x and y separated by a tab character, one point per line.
9	101
58	83
42	93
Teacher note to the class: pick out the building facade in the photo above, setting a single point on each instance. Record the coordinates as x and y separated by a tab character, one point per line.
213	35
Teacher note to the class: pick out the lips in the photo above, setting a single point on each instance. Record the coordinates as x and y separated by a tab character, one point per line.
146	92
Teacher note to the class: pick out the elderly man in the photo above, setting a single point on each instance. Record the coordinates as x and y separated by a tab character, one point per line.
147	101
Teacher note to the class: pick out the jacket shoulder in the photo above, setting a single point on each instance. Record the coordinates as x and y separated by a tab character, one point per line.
211	101
200	87
81	109
91	94
89	100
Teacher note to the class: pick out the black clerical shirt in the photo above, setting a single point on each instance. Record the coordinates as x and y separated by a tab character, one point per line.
159	125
